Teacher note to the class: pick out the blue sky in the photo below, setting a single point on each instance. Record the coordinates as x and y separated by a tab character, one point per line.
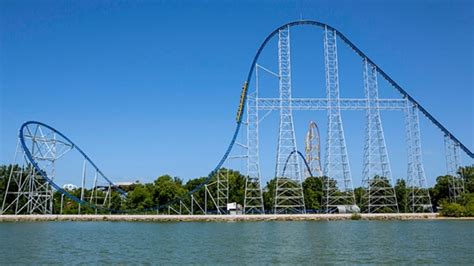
151	87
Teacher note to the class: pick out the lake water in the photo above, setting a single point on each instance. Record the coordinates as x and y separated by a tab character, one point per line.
373	242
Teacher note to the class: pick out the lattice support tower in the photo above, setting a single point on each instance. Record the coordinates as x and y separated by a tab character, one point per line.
379	195
30	192
338	189
253	201
453	162
26	192
419	197
289	196
222	190
313	150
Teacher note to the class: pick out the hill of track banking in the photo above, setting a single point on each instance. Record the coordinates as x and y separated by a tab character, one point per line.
359	52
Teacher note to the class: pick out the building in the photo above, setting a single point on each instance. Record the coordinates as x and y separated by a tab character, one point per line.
69	187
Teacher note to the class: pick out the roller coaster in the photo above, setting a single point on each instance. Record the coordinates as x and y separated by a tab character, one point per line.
41	147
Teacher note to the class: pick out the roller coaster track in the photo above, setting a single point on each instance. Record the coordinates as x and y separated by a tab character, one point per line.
302	158
241	109
354	48
362	55
31	159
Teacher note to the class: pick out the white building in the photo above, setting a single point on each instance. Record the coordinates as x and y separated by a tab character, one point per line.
233	208
69	187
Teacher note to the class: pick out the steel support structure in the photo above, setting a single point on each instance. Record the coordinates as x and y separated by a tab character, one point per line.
314	104
379	194
31	182
453	162
289	196
181	209
313	150
222	190
26	188
194	201
253	202
337	187
419	198
208	195
26	192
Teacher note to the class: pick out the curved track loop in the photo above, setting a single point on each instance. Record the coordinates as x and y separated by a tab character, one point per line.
36	164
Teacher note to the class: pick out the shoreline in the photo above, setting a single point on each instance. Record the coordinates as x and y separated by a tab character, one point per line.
226	218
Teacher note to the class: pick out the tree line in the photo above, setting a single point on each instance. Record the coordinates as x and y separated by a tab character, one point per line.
164	189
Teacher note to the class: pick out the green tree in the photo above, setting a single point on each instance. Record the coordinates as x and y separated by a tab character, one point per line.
452	209
313	193
116	201
166	189
139	198
464	206
236	187
198	195
269	195
440	191
359	193
401	193
467	173
467	200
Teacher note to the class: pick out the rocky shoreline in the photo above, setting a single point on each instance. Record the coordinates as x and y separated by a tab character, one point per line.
226	218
